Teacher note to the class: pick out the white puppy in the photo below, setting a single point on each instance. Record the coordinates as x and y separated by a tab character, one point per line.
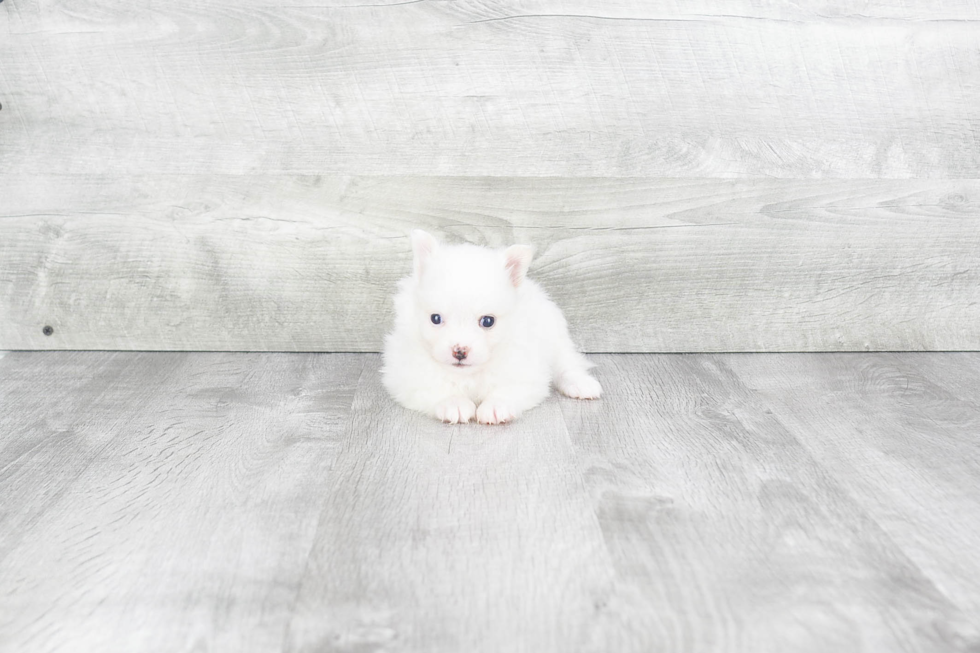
473	337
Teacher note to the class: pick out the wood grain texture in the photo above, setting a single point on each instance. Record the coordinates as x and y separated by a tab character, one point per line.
524	87
439	538
298	263
281	502
902	434
161	502
708	177
710	505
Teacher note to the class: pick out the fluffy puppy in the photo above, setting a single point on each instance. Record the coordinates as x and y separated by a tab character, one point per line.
474	338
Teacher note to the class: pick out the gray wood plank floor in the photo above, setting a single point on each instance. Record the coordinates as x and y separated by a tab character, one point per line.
281	502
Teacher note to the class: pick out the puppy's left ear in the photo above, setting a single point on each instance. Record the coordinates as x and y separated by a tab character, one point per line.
516	260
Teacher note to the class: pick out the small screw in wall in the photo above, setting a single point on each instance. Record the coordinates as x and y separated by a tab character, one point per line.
46	330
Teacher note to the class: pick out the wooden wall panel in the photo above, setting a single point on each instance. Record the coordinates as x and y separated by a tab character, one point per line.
704	175
469	87
303	263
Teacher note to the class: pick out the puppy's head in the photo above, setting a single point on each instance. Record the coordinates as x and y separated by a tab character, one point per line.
465	298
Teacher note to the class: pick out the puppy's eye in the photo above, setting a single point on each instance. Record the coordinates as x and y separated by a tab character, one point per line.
436	318
486	321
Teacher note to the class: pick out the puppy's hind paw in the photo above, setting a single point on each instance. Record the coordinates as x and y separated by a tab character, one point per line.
494	411
455	410
579	385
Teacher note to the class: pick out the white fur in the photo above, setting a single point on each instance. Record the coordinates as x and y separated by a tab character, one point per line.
507	368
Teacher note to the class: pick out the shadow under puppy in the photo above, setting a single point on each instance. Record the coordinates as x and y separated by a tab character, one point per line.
474	337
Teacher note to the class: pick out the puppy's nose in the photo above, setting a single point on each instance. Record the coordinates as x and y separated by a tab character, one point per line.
459	353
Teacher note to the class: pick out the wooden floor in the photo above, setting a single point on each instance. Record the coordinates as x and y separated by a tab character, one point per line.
281	502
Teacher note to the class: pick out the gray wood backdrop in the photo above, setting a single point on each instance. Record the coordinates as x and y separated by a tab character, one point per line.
702	176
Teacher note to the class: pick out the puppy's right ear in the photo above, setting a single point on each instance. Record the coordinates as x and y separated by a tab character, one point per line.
423	247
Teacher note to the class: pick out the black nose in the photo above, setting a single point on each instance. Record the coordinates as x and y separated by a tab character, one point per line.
459	354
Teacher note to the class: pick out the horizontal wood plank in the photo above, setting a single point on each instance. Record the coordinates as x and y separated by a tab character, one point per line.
299	263
520	88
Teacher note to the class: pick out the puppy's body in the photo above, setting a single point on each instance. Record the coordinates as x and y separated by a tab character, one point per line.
443	360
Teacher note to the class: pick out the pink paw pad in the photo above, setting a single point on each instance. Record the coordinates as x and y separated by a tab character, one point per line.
580	386
493	412
456	410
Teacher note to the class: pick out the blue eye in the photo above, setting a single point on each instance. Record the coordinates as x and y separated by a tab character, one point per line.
486	321
436	318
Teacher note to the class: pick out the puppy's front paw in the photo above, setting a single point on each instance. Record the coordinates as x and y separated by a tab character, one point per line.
494	411
455	410
579	385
